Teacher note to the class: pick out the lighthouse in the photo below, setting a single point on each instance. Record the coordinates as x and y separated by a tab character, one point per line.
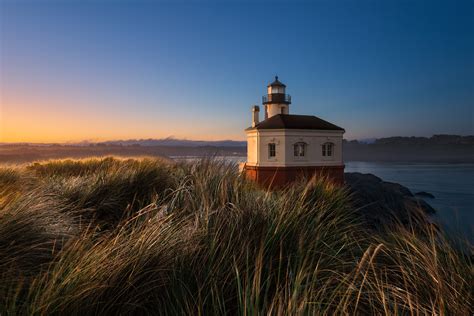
284	147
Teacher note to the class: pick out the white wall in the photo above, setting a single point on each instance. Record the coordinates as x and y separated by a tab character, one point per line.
274	109
263	140
258	140
252	148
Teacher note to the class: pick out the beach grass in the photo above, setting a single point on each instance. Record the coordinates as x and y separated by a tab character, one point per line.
149	236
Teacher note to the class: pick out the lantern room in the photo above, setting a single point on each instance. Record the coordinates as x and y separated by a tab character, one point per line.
276	87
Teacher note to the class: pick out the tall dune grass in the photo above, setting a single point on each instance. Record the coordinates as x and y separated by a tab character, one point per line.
111	236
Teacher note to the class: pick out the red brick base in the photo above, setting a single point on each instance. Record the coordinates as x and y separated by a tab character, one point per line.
275	177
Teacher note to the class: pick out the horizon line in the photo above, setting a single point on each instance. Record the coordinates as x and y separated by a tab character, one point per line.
90	142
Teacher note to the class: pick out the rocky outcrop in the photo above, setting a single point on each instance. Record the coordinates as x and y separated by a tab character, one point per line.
382	203
425	194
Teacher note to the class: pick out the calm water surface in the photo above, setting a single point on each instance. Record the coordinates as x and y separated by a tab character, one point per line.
451	184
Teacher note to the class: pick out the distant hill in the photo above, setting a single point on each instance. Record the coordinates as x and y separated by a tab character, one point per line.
395	140
433	140
438	148
169	141
175	142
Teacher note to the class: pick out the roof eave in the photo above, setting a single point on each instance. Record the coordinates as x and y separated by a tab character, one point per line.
301	129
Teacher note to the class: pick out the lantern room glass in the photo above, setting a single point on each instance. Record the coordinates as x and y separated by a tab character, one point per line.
276	89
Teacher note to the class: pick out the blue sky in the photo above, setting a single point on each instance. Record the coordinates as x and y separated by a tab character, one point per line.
97	70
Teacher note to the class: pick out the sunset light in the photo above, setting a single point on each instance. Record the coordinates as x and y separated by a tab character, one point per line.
236	157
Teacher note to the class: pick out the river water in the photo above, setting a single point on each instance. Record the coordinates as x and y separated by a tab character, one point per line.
451	184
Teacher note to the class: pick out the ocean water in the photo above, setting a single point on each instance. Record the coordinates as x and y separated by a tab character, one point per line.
451	184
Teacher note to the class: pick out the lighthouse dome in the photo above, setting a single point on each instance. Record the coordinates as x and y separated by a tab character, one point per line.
276	87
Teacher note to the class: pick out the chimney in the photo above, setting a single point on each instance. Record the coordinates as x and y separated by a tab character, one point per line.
255	114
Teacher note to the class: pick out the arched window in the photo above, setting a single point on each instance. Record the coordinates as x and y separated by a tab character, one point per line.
328	149
271	150
299	149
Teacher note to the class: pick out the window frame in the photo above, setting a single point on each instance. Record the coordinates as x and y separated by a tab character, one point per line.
327	150
300	150
271	149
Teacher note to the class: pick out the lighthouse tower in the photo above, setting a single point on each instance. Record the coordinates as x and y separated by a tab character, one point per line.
285	147
276	101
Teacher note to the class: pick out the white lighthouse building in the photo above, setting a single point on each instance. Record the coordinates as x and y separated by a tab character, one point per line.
284	147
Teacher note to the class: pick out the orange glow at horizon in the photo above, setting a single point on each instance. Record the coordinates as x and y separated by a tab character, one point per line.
53	123
27	130
30	119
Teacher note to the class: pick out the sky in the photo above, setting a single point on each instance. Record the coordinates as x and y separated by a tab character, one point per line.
108	70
